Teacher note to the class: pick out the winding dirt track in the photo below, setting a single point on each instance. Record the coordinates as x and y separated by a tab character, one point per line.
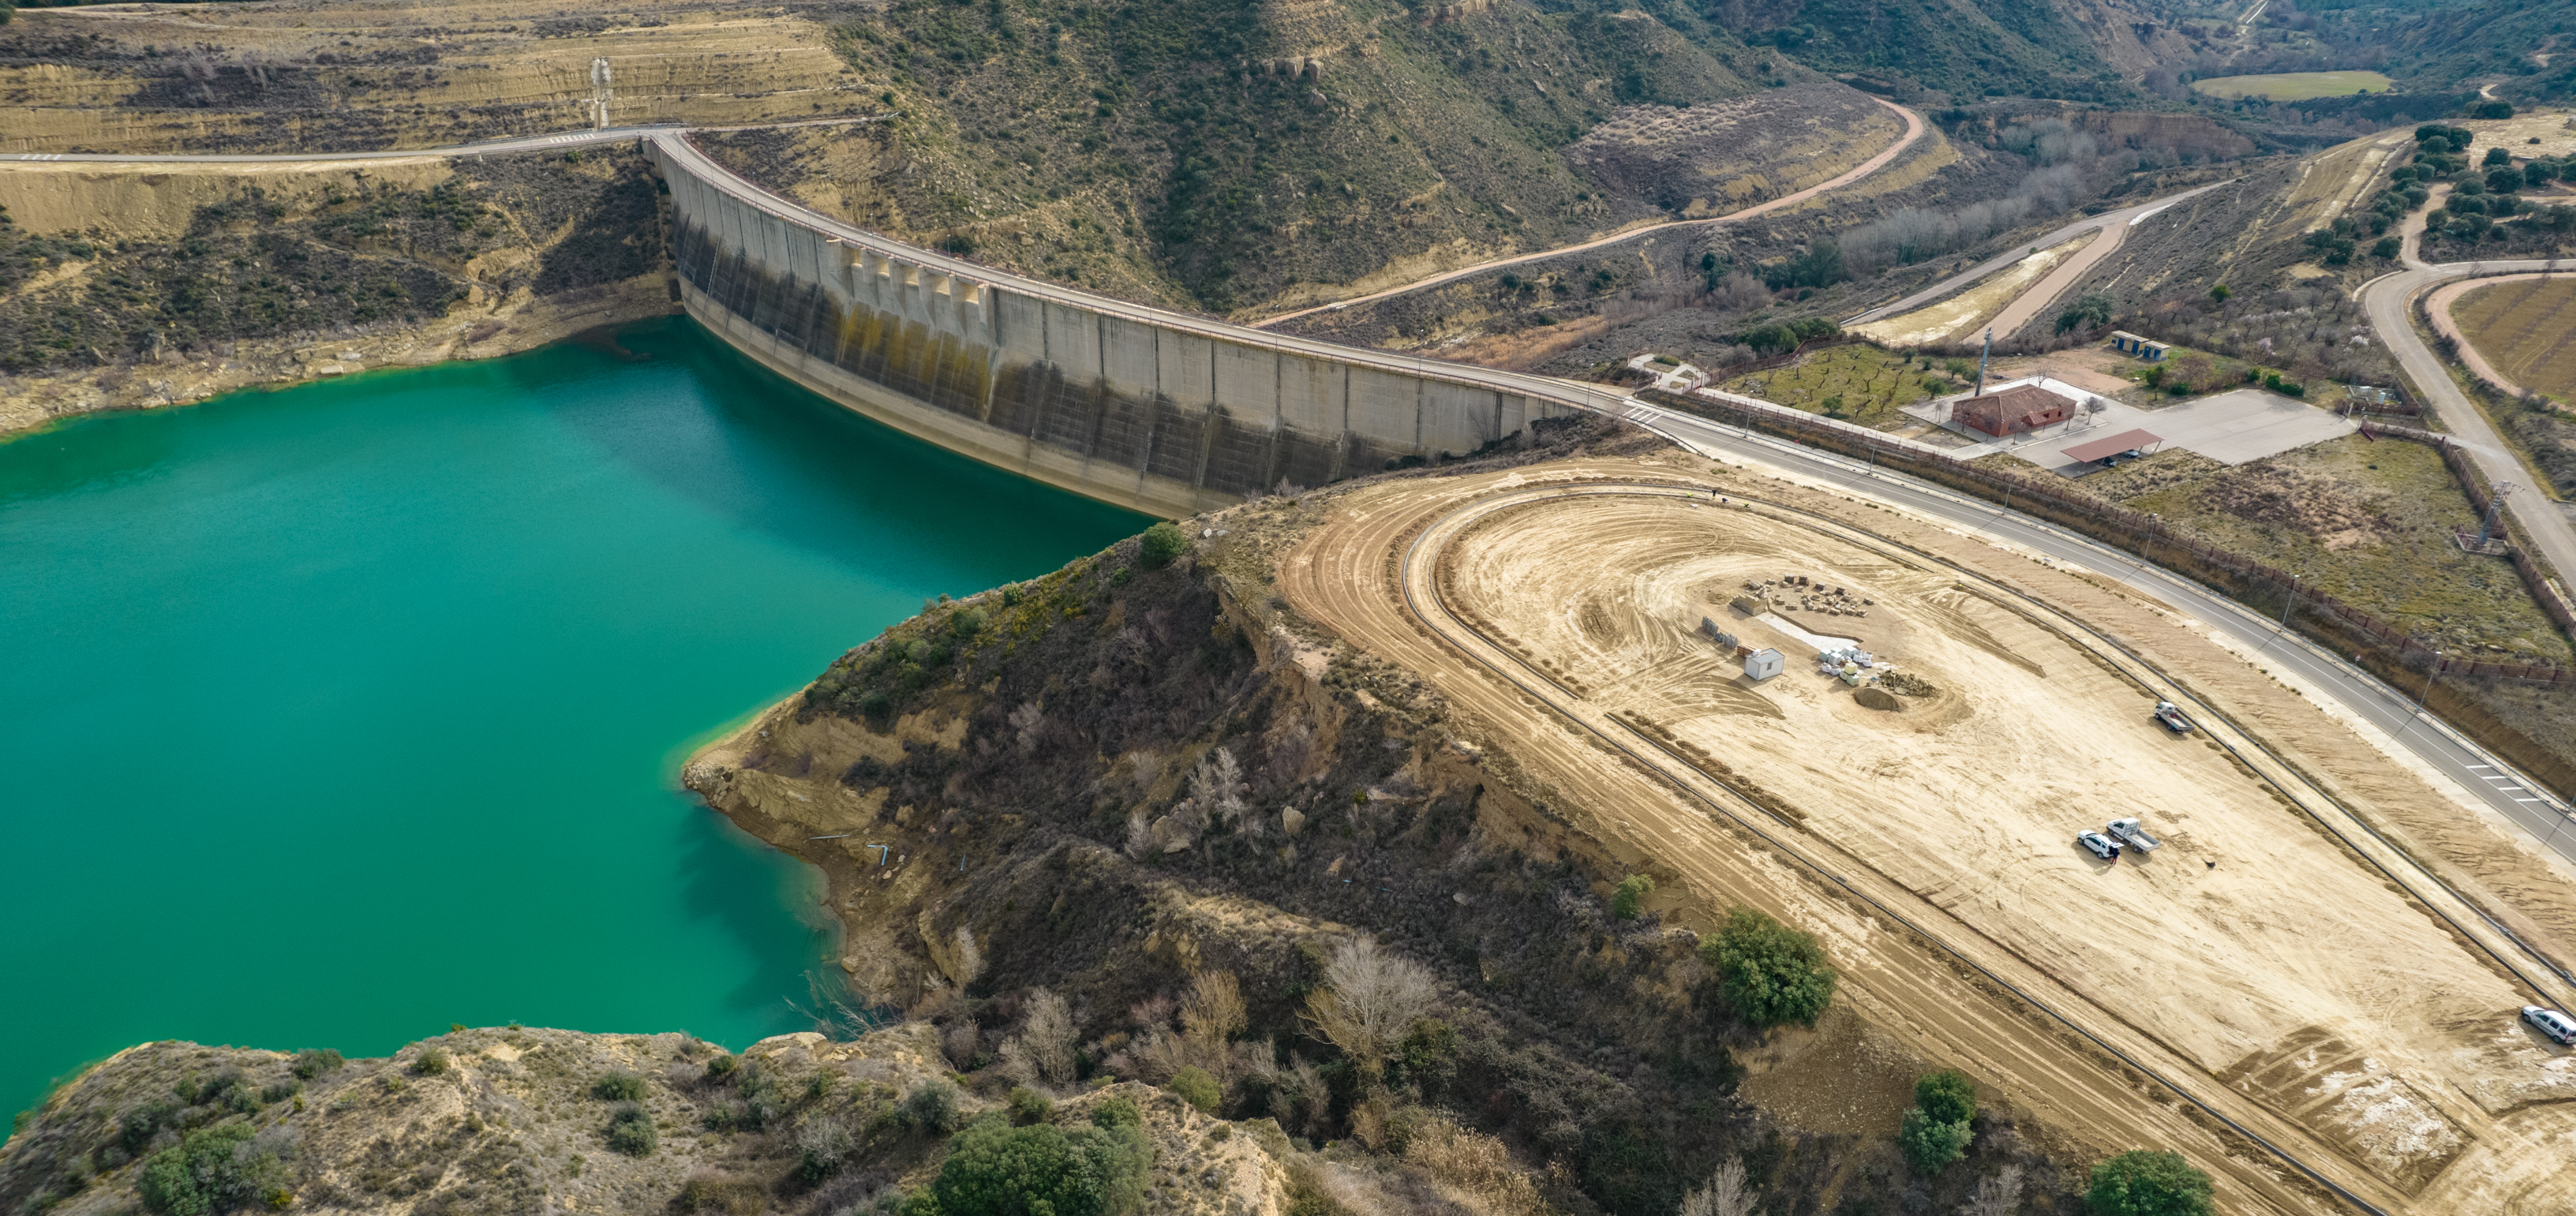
1911	966
1913	132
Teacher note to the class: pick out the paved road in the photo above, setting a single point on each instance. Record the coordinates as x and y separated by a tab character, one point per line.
2389	710
531	143
1913	132
2389	300
2126	215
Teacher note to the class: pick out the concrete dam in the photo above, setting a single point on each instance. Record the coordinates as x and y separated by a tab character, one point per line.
1162	412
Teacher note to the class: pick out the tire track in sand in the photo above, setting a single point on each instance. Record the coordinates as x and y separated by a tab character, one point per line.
1346	575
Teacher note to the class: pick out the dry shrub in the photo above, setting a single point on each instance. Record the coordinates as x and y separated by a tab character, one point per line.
1369	1002
1042	1053
1476	1171
1213	1011
716	1191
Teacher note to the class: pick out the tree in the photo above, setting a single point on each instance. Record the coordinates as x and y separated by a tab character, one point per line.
2093	311
1820	265
1162	543
1931	1146
995	1169
1725	1194
1368	1002
1771	973
223	1168
2497	156
2218	294
1947	1095
2143	1183
2504	179
932	1107
2387	248
2495	109
1634	888
1936	1131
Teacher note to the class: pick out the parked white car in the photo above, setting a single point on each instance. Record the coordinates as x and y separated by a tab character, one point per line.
2551	1022
2100	845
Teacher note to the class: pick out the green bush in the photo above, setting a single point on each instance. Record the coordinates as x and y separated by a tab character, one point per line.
1947	1096
723	1066
1197	1088
932	1107
1772	974
430	1063
1163	542
967	622
216	1169
1929	1144
315	1061
1116	1113
619	1087
630	1131
1030	1106
994	1169
2142	1183
1624	902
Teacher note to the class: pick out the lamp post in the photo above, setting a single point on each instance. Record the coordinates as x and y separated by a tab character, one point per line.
2429	672
2294	599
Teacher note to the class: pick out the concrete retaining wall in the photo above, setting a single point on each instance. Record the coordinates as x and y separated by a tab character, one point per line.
1166	414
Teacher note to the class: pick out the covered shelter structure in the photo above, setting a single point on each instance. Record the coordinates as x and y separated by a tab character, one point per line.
2092	451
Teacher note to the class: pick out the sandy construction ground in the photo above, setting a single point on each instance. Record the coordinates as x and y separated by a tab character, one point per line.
2257	962
1956	315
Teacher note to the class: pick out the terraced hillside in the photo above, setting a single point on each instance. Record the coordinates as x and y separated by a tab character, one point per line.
1208	155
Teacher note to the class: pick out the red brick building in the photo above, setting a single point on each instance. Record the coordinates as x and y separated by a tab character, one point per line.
2010	411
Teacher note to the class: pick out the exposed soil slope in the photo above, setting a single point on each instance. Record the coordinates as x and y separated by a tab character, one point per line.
124	288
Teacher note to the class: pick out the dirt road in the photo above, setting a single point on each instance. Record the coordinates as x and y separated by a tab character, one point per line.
2126	217
1913	132
1617	560
2028	306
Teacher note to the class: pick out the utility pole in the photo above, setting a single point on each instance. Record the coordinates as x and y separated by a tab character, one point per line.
2495	510
1982	356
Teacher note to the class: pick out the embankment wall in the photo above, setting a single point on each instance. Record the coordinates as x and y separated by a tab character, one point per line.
1164	413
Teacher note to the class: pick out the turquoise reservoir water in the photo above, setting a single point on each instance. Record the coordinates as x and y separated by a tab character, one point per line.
341	713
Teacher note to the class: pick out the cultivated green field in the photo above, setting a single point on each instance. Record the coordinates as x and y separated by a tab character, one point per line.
2295	86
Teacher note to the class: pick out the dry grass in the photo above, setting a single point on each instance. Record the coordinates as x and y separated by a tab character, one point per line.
2521	328
2368	522
1474	1170
1870	381
2295	86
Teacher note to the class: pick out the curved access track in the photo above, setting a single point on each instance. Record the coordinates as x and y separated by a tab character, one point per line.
2390	300
1913	132
2006	985
2118	221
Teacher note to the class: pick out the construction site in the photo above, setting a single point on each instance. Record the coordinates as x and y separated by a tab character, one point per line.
2327	953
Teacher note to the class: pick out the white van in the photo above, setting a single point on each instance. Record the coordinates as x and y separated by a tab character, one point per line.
2551	1022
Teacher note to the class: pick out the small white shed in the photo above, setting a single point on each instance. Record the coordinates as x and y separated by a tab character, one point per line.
1762	664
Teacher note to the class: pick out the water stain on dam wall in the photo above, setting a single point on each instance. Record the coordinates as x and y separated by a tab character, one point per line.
1137	413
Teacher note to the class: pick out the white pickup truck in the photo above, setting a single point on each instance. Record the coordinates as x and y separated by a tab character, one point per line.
2171	715
2130	832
